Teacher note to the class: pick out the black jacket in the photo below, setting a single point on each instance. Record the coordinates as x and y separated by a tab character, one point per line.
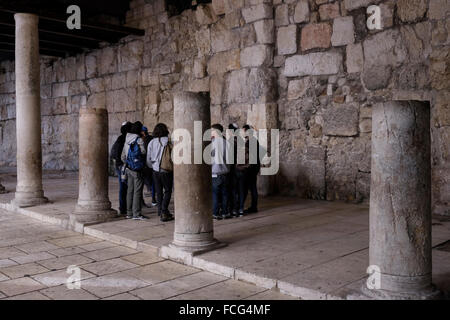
116	150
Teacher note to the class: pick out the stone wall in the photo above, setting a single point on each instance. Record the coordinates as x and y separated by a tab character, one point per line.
308	67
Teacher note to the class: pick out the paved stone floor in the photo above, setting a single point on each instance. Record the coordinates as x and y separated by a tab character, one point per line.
304	248
34	257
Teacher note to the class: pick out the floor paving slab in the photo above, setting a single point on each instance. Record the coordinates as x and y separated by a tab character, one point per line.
19	286
59	277
108	266
23	270
63	293
178	286
65	261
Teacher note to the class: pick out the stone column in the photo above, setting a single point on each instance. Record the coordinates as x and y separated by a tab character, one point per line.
400	200
29	190
193	190
93	200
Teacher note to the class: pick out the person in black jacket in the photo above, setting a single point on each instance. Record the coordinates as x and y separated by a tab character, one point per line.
148	172
116	152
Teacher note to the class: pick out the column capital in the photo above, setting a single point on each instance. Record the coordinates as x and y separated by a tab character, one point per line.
26	17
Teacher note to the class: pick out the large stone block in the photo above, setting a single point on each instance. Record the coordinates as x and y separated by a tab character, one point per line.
287	40
205	14
218	6
282	15
343	31
216	85
317	35
438	9
301	12
355	58
318	63
203	41
91	65
224	61
341	120
223	40
258	12
256	56
298	88
256	85
108	61
411	10
355	4
264	31
385	48
130	55
329	11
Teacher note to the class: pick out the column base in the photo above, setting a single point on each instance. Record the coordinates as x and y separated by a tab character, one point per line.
198	248
29	199
430	293
89	215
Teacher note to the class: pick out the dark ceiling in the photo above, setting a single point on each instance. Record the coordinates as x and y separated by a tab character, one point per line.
100	22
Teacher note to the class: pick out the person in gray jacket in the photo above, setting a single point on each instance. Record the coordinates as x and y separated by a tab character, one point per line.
163	179
134	163
220	170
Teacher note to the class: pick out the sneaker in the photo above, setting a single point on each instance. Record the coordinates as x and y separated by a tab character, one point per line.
141	217
166	217
234	214
251	210
226	216
217	217
154	204
128	217
241	213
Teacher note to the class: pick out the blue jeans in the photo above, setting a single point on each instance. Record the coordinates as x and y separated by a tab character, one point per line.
220	194
123	187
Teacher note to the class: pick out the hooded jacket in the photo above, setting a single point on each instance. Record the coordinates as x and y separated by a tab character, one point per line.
130	138
218	157
154	152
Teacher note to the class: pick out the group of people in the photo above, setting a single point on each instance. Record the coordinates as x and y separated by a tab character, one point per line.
143	159
137	158
233	178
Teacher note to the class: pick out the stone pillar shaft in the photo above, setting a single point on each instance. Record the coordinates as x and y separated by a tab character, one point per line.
400	198
29	189
193	190
93	200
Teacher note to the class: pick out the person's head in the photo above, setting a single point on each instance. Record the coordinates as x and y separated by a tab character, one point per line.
216	130
126	126
144	131
233	126
136	128
246	127
160	131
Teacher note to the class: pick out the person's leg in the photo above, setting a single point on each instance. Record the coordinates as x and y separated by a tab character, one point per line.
224	196
130	191
159	190
254	191
167	181
215	195
152	184
137	196
122	194
242	191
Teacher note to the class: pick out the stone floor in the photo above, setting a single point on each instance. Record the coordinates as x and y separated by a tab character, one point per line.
34	257
304	248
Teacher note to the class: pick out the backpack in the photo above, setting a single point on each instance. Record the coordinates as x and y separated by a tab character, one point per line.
166	163
135	160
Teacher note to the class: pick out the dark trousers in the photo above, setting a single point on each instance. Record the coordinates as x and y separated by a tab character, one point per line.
233	192
148	182
241	188
251	178
122	193
220	194
163	184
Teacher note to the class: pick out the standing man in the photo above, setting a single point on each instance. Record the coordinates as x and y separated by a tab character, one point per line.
116	155
133	155
254	166
220	172
148	171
